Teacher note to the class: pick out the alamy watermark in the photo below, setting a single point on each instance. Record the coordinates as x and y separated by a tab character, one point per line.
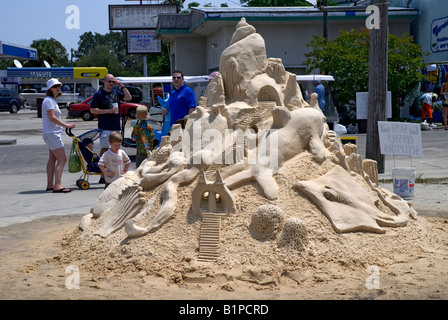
229	147
373	21
373	281
72	281
73	20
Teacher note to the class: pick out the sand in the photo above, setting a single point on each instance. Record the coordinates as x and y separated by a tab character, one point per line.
409	262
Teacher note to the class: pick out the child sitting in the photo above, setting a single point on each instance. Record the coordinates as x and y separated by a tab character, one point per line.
114	162
91	157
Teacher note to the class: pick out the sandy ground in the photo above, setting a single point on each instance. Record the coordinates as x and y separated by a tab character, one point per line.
44	259
33	266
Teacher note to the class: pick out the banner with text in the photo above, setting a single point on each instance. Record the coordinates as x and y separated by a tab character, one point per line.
400	138
142	41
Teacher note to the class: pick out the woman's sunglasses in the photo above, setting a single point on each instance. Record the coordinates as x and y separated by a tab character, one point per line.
56	86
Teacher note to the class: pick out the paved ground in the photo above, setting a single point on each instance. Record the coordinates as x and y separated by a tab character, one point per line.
23	156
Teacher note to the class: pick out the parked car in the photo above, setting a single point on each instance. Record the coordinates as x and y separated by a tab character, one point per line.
83	110
136	93
10	100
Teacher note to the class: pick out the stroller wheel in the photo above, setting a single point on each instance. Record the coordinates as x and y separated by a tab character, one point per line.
78	183
84	184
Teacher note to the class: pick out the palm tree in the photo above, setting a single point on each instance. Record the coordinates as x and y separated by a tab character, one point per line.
49	50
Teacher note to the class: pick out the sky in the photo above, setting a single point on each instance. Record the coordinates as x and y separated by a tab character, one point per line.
22	21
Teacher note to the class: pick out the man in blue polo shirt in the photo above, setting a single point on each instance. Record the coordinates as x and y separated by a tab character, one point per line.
182	99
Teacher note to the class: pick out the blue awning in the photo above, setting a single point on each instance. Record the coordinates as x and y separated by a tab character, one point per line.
14	51
41	73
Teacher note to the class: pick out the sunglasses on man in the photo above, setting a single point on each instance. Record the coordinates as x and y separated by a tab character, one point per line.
177	77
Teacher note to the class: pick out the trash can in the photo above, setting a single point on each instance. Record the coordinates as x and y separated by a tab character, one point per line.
39	107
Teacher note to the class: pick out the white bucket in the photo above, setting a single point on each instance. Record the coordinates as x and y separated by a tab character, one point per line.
404	181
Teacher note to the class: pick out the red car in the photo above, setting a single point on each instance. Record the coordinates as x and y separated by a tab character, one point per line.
83	110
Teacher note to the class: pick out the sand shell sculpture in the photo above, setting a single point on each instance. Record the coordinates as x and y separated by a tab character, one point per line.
251	121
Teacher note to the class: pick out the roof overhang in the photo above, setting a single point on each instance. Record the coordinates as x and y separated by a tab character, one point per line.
14	51
207	20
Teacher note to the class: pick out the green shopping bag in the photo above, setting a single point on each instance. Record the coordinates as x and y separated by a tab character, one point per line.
74	163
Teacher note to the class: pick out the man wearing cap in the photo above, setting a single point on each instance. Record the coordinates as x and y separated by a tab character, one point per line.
105	104
143	135
182	100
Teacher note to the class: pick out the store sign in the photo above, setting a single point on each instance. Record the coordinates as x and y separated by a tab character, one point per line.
439	35
142	41
400	138
89	72
123	17
41	73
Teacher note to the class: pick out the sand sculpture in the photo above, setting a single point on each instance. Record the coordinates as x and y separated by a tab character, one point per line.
250	123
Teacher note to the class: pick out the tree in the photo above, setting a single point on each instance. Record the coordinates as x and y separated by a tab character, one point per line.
275	3
102	56
109	50
282	3
346	57
49	50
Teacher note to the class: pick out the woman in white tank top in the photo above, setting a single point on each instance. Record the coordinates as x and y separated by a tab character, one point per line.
52	135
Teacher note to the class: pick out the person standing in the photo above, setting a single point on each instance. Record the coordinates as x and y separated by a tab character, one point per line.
143	135
444	97
320	90
52	135
428	99
182	100
105	104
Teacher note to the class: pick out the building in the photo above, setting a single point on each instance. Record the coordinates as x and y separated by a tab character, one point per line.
17	52
430	30
198	38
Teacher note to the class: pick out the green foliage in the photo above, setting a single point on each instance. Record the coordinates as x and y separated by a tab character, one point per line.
347	58
109	50
281	3
49	50
275	3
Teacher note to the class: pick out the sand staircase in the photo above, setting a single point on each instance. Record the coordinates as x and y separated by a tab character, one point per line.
209	238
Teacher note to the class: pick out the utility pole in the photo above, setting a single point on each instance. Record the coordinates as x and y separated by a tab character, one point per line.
325	4
377	83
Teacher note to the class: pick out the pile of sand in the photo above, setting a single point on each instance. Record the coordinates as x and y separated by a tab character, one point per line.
172	251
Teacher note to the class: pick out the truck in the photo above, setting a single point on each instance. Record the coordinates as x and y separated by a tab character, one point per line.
30	97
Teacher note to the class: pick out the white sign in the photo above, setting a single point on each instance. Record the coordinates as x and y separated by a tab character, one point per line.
439	35
400	138
142	41
362	99
122	17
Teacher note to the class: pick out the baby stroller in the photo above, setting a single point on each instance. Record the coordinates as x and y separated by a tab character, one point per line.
90	167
